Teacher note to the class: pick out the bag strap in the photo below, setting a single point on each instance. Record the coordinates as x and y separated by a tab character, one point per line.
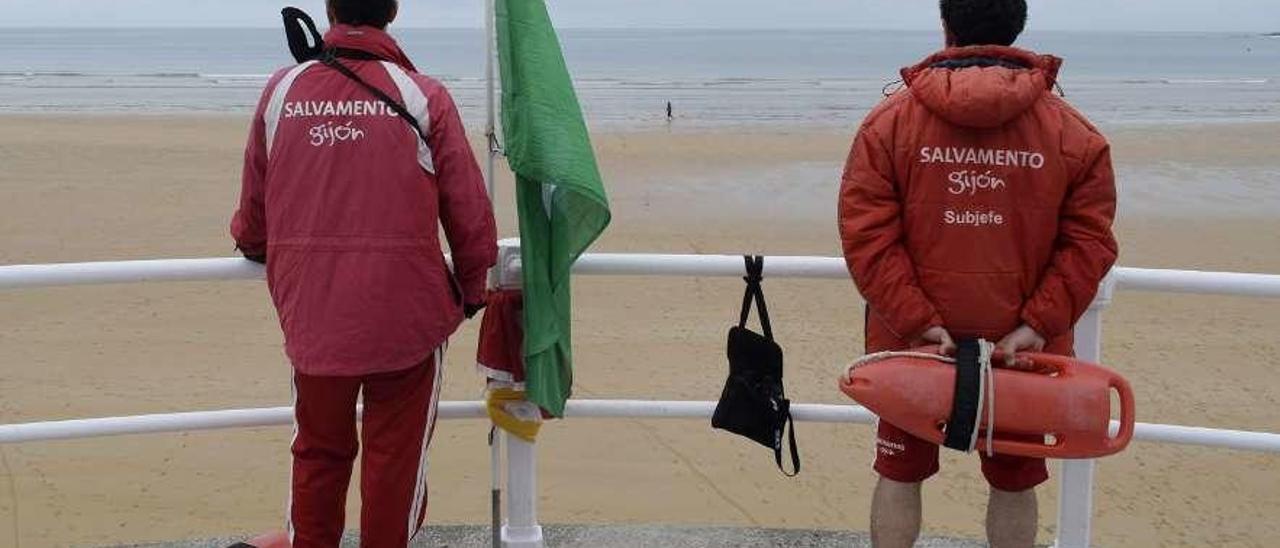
330	59
789	425
305	42
755	275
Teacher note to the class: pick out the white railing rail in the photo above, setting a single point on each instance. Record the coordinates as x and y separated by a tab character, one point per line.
576	409
602	264
522	530
31	276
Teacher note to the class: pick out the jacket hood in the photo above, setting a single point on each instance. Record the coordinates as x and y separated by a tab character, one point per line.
982	86
369	40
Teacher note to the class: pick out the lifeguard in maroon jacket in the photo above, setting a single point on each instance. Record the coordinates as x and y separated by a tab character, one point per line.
344	201
975	203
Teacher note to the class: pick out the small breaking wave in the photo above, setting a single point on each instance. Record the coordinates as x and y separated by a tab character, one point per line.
1215	81
162	75
37	74
236	76
1195	81
150	75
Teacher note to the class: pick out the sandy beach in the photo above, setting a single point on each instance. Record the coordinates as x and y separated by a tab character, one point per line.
114	188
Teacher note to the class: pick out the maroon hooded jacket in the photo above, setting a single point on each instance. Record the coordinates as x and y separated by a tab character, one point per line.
346	202
977	200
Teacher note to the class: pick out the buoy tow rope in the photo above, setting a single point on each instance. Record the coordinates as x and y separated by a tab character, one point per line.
986	386
986	350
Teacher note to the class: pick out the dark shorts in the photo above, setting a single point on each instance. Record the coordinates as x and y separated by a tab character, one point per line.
904	458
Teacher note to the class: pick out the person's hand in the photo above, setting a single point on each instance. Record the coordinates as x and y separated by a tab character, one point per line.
1022	338
471	309
938	335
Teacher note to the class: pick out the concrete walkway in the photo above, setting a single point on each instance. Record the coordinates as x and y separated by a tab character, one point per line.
638	536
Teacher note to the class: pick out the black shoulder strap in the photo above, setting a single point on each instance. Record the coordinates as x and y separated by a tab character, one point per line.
965	405
330	59
790	426
755	275
306	43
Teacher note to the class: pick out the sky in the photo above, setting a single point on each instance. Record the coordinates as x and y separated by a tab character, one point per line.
1143	15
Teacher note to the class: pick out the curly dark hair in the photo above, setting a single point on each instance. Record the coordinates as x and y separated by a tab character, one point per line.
984	22
372	13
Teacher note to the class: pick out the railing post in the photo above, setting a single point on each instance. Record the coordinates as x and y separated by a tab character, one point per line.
521	529
1075	482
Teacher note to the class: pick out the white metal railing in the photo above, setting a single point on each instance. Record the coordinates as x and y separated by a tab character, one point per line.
576	409
521	529
601	264
28	276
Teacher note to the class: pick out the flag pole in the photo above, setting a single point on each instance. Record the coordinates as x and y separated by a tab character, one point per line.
491	149
490	129
495	484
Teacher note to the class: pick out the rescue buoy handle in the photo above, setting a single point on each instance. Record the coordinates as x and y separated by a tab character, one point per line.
1014	447
1127	418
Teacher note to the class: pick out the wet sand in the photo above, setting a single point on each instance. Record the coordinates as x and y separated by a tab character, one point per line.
110	188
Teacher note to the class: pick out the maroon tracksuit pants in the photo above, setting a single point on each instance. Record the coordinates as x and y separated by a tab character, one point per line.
399	416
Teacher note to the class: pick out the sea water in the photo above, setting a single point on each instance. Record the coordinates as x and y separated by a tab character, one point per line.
626	77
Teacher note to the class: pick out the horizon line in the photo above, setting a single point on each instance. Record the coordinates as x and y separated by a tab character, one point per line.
653	28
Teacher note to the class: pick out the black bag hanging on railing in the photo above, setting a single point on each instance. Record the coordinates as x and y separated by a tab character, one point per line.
754	403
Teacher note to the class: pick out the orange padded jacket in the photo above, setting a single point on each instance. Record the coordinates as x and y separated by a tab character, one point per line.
977	200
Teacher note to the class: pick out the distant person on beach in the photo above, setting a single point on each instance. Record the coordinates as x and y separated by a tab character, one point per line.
343	200
975	203
669	114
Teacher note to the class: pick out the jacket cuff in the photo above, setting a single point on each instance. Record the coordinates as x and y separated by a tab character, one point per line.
1042	326
473	289
255	250
910	329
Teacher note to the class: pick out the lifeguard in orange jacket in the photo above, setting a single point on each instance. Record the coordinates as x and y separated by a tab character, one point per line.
975	203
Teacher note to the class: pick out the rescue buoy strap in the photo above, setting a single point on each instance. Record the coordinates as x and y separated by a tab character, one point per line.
967	401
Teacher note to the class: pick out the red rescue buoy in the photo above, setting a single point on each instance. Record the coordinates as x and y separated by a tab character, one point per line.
1066	400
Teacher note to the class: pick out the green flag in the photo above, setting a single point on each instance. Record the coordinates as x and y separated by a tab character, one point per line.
559	194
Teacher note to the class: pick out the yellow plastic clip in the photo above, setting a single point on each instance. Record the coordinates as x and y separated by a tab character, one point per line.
509	411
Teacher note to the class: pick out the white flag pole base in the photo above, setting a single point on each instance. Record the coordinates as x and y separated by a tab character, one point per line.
522	529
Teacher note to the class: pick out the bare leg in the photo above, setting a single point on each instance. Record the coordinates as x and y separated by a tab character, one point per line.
895	514
1012	518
